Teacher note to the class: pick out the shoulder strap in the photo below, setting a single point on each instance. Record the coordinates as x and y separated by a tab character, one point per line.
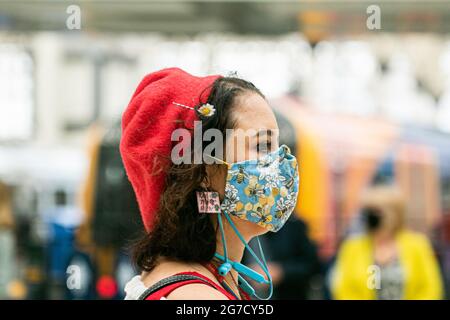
168	281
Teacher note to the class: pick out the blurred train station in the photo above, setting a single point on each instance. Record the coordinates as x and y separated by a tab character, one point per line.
359	106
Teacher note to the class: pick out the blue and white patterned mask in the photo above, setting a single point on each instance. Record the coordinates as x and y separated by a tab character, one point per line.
263	191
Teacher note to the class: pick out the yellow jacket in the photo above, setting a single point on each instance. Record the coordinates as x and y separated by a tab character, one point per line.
352	275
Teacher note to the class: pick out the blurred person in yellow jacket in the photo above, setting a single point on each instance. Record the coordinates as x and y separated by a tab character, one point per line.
387	262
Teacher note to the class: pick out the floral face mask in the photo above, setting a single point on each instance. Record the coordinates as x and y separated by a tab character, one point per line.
263	191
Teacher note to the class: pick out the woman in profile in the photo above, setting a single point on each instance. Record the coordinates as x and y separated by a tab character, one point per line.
388	262
199	217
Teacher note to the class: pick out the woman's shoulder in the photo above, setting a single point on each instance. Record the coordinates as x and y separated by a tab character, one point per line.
194	291
356	241
167	268
404	236
413	238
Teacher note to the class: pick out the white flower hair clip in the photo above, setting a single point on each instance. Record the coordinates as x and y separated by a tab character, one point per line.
204	111
207	110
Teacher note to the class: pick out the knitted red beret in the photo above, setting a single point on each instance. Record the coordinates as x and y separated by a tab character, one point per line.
147	126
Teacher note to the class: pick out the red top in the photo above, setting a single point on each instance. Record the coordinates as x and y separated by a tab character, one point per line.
165	291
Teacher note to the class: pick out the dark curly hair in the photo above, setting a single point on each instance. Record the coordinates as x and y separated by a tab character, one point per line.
180	232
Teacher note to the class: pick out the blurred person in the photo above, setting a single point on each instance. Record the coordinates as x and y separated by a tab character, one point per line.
7	243
387	262
194	244
61	219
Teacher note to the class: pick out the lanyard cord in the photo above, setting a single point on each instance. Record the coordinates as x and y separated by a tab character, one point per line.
262	264
222	233
225	254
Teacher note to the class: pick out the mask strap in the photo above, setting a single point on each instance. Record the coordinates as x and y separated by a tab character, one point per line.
261	252
224	245
263	264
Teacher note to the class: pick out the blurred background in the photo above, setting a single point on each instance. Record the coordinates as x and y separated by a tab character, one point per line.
361	102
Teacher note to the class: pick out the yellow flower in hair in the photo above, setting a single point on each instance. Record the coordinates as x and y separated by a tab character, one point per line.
207	110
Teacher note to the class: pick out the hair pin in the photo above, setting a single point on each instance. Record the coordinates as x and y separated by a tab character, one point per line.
205	110
182	105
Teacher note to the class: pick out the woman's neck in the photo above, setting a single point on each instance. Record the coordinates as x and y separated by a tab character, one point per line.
235	247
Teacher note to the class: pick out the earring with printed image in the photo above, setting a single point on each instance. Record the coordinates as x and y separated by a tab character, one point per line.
208	202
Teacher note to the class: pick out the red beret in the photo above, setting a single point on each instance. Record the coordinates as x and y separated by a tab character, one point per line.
147	126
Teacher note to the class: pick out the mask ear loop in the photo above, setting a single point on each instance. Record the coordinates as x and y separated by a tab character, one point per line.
226	266
263	264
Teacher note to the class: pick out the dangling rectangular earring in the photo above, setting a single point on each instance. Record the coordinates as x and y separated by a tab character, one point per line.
208	202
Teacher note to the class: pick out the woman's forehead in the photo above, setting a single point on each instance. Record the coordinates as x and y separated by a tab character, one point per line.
253	113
